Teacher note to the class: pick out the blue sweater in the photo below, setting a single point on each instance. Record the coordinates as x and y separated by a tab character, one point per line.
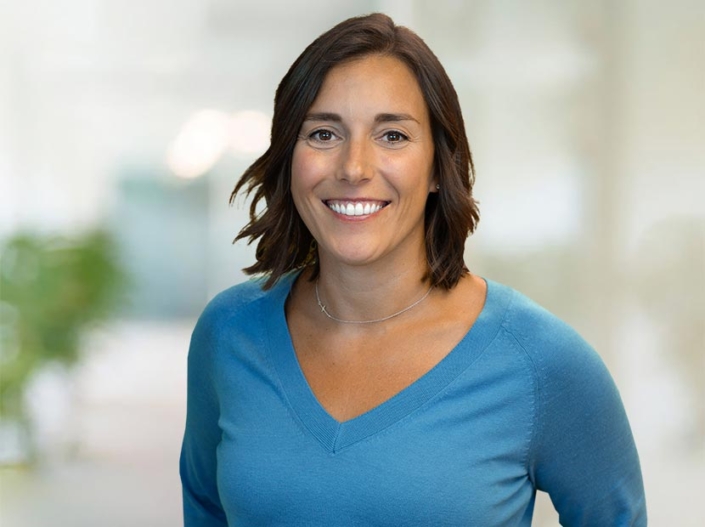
521	403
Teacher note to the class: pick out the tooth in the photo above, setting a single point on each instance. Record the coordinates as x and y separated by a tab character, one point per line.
366	209
350	210
359	209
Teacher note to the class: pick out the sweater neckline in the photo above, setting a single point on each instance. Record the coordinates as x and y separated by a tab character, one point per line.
334	435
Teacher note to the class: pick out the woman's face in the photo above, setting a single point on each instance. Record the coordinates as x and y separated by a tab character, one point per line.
362	166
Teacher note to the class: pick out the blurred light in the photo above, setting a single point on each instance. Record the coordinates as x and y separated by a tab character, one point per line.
540	209
200	143
208	133
249	133
509	66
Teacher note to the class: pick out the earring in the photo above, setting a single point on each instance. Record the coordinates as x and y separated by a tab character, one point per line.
438	186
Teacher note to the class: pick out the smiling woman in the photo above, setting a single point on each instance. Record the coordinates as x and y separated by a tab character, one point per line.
368	378
366	144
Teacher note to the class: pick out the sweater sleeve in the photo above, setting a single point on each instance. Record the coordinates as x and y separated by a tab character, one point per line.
201	501
583	452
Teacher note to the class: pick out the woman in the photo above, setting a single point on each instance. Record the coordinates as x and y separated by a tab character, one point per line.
369	378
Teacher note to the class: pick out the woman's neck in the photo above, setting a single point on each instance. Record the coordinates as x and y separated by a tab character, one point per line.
370	292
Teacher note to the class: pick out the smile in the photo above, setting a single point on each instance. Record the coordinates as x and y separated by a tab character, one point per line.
356	208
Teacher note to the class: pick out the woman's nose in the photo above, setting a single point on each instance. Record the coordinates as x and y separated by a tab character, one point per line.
356	162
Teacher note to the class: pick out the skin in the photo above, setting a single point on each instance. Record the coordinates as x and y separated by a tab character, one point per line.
367	139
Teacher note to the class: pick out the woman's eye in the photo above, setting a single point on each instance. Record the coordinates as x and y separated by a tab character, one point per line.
323	136
394	137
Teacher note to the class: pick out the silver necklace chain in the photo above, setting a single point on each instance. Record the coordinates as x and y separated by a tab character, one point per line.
326	313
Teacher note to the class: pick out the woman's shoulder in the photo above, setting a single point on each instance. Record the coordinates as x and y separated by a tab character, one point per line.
526	317
232	314
241	302
242	296
237	296
545	338
580	432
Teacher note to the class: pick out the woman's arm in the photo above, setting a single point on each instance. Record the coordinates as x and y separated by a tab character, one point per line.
201	501
584	454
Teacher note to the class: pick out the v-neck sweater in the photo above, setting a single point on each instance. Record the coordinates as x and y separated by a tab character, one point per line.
522	403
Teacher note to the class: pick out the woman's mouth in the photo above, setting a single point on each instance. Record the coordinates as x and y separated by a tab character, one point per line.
355	208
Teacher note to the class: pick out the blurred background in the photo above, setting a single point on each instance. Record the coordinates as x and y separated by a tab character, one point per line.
125	124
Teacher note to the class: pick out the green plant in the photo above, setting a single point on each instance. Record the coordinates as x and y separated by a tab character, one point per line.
51	290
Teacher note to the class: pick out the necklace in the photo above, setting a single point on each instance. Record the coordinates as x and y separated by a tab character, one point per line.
326	313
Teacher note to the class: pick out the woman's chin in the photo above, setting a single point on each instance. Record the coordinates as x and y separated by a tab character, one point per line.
352	256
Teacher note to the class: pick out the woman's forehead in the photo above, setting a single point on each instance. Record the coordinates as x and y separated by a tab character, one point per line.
377	84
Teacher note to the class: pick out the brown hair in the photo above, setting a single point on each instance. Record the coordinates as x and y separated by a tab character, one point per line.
285	242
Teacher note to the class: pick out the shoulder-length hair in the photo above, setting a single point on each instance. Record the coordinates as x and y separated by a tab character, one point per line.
285	243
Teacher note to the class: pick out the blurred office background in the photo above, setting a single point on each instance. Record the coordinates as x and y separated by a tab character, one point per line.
130	121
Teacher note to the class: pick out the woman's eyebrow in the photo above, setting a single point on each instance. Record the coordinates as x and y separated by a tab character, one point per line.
379	118
323	116
394	117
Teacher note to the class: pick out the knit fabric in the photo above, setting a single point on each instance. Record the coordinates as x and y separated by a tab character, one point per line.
521	404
